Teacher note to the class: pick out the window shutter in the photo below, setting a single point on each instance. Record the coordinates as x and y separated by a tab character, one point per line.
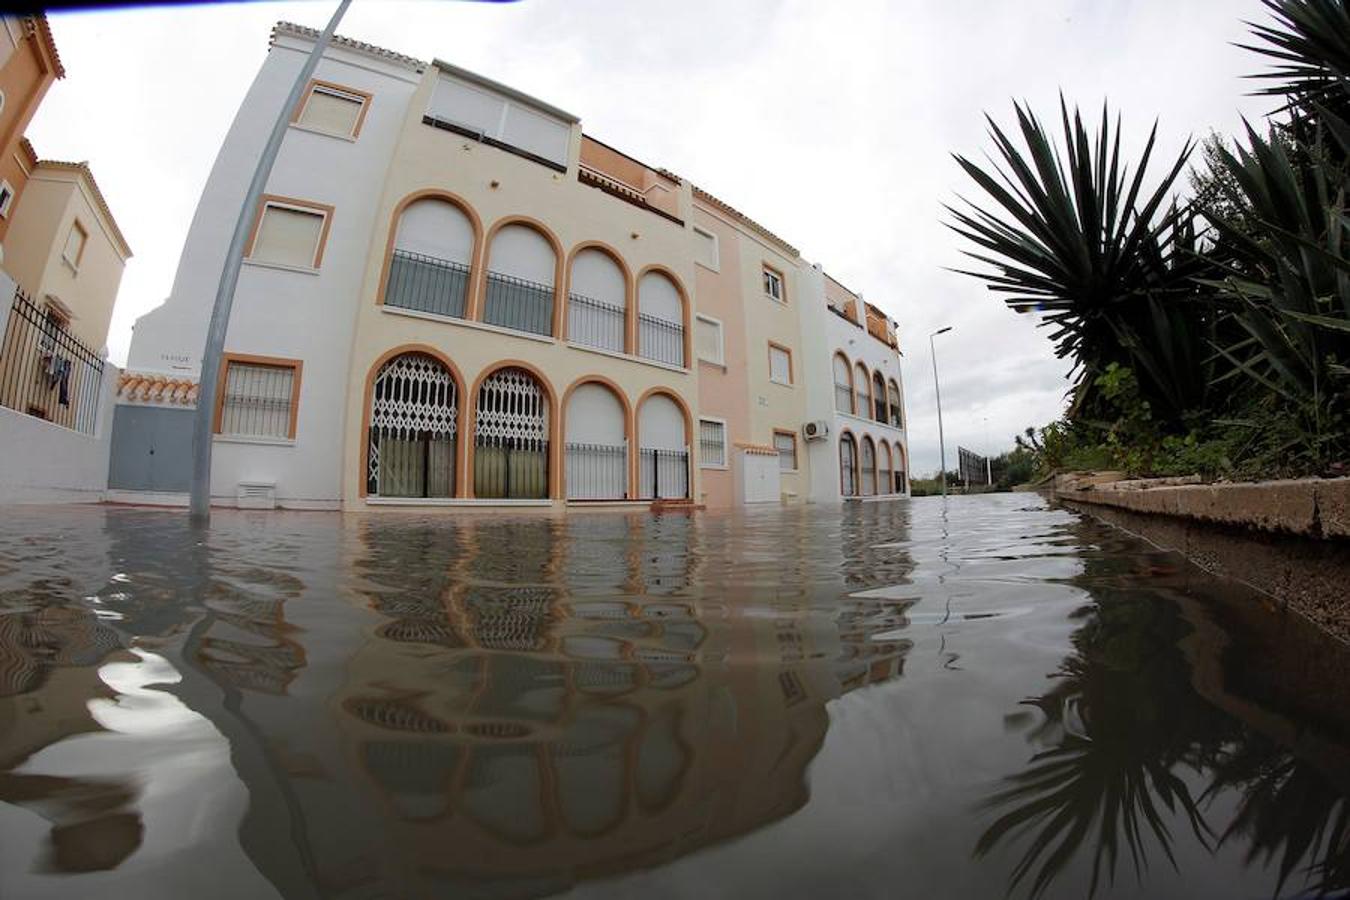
288	236
332	112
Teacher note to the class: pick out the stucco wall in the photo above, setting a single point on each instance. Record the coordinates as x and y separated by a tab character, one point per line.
45	463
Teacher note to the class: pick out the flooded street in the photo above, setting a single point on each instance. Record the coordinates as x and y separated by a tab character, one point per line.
897	699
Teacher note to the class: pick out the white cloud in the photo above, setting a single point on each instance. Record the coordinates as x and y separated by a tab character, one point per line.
832	124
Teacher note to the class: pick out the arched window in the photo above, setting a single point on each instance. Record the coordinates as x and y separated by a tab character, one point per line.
879	397
663	460
511	423
596	444
868	467
429	268
413	421
520	280
897	416
660	320
596	313
861	383
843	384
848	466
884	483
901	474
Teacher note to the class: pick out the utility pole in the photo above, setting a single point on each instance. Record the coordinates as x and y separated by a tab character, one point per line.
942	441
208	387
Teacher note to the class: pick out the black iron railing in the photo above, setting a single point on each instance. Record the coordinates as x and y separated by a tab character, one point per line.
518	304
427	284
595	323
597	471
510	469
660	340
663	474
46	371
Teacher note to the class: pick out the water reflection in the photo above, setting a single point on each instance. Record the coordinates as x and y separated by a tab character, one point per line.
408	706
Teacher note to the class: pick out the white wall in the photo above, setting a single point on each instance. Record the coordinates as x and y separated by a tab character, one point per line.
595	416
45	463
289	314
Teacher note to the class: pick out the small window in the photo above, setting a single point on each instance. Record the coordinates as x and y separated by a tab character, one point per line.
773	284
74	249
6	198
780	364
259	398
712	444
785	442
333	110
706	252
708	340
290	234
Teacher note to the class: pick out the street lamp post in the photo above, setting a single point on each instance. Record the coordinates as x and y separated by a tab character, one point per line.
208	384
942	442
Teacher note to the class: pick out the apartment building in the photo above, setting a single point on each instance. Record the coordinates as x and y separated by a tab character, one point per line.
452	295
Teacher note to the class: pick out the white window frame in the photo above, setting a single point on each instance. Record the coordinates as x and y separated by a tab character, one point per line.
796	449
721	340
726	444
716	250
320	87
766	272
786	351
8	201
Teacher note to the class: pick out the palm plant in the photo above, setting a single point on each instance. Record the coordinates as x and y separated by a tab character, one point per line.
1074	235
1311	45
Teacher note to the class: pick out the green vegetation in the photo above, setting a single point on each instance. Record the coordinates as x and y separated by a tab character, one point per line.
1209	334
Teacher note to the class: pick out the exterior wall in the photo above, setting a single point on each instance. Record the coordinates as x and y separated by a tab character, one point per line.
498	187
309	316
41	462
27	71
56	198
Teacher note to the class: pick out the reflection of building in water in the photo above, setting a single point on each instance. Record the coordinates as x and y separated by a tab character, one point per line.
582	699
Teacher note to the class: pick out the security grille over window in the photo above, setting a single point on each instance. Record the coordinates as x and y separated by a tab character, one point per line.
597	471
884	483
847	467
413	423
869	471
712	443
257	400
511	437
595	323
663	474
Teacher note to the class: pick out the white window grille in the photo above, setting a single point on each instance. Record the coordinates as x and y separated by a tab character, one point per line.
511	436
258	400
848	484
712	444
413	425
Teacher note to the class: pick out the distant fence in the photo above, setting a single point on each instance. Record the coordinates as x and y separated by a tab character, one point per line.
972	466
45	371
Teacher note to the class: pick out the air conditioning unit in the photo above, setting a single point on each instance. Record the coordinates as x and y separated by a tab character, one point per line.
816	431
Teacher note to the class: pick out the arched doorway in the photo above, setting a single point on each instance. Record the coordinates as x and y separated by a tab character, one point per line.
663	458
848	466
596	444
511	431
868	467
411	449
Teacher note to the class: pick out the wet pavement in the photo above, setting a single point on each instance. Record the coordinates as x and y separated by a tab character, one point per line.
899	699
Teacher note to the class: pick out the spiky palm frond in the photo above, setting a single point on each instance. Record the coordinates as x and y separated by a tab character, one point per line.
1310	44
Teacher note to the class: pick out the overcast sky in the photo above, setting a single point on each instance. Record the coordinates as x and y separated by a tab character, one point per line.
830	122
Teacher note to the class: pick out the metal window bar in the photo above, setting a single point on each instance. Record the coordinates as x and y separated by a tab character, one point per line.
413	423
847	482
46	371
597	471
426	284
511	438
257	400
712	443
843	398
660	340
518	304
663	474
595	323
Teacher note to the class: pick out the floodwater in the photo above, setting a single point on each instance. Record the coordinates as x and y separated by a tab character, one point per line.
976	698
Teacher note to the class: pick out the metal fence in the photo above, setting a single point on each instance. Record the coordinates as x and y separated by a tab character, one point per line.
712	443
426	284
660	340
518	304
595	323
597	472
46	371
663	474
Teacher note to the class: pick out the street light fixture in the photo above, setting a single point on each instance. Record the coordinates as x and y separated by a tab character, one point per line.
942	444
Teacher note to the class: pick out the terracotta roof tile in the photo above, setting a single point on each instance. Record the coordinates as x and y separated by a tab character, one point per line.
700	194
301	31
150	388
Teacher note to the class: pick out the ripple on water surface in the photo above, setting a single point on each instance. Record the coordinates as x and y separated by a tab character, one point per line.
897	699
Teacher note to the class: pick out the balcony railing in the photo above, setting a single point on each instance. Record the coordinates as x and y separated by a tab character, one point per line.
518	304
595	323
597	472
426	284
660	340
46	372
663	474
